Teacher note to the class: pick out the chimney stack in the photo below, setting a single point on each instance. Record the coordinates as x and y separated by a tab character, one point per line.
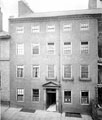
0	20
23	8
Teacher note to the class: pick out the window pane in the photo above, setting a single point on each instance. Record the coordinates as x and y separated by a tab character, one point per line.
84	97
35	71
35	29
67	27
35	49
51	28
20	49
84	71
67	71
50	71
20	94
20	29
67	48
84	47
84	26
67	96
20	71
35	95
51	48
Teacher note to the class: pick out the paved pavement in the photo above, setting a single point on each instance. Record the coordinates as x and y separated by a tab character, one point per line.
15	114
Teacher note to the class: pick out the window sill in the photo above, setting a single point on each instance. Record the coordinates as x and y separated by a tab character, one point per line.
68	79
85	79
55	78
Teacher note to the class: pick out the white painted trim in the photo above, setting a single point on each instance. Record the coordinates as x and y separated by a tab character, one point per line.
64	49
23	71
88	96
49	25
35	31
34	44
17	94
32	94
37	65
88	47
71	71
17	49
71	97
67	24
19	27
51	49
88	72
54	72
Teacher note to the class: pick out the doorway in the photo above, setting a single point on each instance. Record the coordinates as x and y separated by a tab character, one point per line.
51	98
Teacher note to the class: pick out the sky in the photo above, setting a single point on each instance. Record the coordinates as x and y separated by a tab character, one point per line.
10	7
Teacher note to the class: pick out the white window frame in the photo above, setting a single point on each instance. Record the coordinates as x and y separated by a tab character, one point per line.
84	26
35	28
88	72
36	65
35	44
32	96
19	30
16	71
64	48
50	28
17	94
67	27
63	71
82	48
88	96
64	96
18	50
49	49
54	72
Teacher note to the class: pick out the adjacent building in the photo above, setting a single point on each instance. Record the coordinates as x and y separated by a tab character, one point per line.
53	59
4	64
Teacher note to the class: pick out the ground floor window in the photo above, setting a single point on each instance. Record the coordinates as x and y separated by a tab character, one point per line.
67	96
20	94
84	97
35	95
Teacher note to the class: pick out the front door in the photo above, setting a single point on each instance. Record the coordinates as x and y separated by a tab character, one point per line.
50	97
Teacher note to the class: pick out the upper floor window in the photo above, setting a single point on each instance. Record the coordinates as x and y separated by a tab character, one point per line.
20	49
35	29
84	97
51	71
84	26
36	71
20	29
67	27
84	71
20	71
84	47
67	71
51	48
50	28
35	49
35	95
20	95
67	96
67	50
